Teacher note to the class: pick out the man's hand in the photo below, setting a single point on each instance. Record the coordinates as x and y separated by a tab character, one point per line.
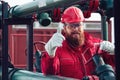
55	41
60	28
107	46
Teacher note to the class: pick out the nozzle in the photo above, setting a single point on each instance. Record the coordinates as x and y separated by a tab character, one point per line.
44	19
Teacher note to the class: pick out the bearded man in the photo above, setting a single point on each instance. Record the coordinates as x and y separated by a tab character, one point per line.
70	49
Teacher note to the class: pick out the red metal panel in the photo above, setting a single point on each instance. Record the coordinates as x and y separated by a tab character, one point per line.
18	43
95	33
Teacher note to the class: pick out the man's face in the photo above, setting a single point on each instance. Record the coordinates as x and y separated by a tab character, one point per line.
74	34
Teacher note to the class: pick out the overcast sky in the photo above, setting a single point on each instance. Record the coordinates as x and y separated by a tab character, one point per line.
17	2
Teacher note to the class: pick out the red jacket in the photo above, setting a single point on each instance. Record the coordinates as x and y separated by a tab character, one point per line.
75	63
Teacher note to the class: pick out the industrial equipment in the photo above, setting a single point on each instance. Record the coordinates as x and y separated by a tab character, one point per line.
47	11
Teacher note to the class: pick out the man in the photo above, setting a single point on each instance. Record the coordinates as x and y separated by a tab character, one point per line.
70	51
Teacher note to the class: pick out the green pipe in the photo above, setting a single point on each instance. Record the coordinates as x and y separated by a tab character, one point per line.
20	74
104	27
39	5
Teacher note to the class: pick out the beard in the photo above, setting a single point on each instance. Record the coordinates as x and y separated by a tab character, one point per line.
75	39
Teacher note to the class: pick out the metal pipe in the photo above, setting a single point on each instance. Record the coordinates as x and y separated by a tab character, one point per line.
40	6
104	27
30	47
21	74
4	42
98	60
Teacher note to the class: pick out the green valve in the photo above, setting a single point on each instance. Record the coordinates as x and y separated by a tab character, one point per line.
44	19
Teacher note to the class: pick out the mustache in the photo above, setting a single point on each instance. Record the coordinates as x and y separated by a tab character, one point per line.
75	32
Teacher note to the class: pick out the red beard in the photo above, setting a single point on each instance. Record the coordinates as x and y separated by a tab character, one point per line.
75	39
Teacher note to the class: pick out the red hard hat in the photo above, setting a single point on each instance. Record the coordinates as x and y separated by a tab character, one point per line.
72	14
